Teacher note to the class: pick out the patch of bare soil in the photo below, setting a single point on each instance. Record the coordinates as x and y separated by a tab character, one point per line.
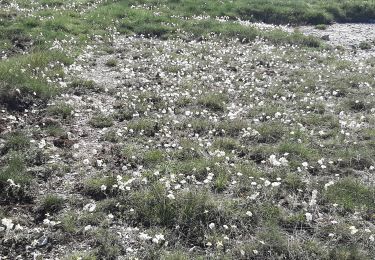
346	35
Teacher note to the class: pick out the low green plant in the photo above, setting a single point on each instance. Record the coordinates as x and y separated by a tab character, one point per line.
321	27
191	211
14	180
16	141
101	121
62	110
365	46
271	132
93	187
111	63
49	205
213	102
145	126
351	194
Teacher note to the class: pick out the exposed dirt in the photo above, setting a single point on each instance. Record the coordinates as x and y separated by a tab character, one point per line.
348	35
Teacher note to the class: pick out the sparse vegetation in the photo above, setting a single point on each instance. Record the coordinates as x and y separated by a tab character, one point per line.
183	130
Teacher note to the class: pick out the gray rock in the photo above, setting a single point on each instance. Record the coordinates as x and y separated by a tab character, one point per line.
42	241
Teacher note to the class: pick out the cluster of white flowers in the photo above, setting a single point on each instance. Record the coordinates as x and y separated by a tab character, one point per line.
330	183
282	161
219	153
249	132
8	225
12	184
90	207
353	230
155	239
123	185
209	178
42	144
50	223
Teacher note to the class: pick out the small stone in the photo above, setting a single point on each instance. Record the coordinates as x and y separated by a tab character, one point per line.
325	37
42	241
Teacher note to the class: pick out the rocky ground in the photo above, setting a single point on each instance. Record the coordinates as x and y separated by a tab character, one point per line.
346	35
278	140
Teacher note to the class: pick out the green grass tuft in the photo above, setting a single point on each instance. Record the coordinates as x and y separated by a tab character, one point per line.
351	194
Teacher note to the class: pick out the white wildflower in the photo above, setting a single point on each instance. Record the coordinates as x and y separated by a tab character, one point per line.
254	196
86	161
283	161
18	227
313	198
90	207
158	238
8	223
87	228
42	144
171	196
308	217
143	236
99	163
330	183
353	230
